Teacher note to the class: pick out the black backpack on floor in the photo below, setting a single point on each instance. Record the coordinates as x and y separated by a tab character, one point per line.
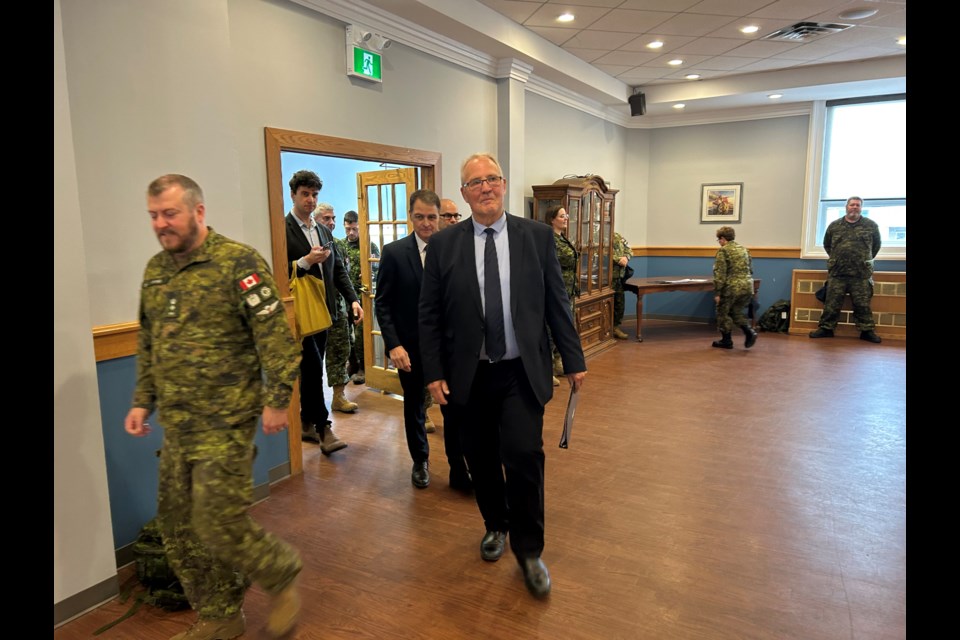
776	318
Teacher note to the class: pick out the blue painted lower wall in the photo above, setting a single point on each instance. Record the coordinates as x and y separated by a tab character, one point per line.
132	462
775	274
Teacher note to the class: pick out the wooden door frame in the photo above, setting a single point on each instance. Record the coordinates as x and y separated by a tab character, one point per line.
277	141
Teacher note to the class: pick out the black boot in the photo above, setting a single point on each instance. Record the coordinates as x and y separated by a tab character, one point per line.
725	343
751	336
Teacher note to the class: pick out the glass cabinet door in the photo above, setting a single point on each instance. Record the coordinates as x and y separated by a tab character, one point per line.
573	210
606	237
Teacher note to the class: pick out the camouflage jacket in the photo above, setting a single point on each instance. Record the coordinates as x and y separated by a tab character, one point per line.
352	253
214	345
732	270
852	247
567	256
620	249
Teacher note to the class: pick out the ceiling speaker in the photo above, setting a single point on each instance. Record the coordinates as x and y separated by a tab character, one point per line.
638	104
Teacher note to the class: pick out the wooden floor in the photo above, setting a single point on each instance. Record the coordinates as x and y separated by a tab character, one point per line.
706	494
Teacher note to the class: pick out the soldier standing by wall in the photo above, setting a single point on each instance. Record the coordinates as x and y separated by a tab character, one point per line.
852	242
215	353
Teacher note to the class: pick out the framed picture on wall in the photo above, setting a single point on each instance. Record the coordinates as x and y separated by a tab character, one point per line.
721	202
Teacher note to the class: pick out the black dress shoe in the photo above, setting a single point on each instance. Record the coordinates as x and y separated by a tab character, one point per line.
461	481
420	477
536	576
491	547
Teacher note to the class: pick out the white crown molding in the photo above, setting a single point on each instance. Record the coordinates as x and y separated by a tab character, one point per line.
416	37
513	69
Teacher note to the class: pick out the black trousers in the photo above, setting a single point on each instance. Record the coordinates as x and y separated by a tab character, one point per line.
414	413
452	438
502	430
313	408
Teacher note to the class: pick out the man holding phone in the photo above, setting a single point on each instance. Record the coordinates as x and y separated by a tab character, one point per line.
310	246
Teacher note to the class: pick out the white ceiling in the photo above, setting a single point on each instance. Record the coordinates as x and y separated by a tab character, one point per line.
602	56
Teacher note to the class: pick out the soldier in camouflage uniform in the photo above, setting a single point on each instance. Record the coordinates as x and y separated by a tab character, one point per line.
852	243
351	226
567	255
215	353
732	288
621	257
339	335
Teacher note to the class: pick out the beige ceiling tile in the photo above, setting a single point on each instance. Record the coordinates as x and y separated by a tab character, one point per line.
770	64
673	6
692	24
795	10
631	58
555	35
688	61
513	9
586	54
727	7
613	69
586	3
725	63
546	16
634	21
670	43
709	46
765	26
812	51
763	48
590	39
641	74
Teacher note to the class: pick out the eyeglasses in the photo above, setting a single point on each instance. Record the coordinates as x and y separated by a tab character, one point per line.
450	216
473	185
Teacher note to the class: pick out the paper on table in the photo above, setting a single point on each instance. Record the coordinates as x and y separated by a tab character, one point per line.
682	281
568	419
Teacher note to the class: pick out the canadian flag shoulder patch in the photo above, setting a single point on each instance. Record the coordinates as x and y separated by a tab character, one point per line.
250	281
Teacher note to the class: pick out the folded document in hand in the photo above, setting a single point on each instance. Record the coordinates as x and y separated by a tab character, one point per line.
568	418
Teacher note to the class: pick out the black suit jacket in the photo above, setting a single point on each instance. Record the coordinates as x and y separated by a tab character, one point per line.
332	270
451	311
398	295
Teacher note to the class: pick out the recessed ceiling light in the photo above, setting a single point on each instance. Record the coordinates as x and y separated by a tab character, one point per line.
692	76
858	14
566	17
750	29
774	96
679	105
902	40
656	44
675	63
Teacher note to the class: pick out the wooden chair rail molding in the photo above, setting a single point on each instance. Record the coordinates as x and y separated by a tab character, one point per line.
710	252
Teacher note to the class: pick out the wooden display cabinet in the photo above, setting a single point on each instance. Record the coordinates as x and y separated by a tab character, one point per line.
590	203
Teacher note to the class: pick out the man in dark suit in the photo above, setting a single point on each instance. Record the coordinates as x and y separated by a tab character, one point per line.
491	285
397	308
311	247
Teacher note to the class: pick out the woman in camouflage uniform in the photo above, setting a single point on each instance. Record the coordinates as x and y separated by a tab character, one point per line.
732	288
567	254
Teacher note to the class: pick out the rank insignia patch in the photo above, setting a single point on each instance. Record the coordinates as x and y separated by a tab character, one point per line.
265	292
253	299
249	282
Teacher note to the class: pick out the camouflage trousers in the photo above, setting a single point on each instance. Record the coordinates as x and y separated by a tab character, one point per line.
730	310
339	341
617	302
860	291
215	548
355	360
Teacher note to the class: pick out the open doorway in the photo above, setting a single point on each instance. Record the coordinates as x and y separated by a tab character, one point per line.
340	162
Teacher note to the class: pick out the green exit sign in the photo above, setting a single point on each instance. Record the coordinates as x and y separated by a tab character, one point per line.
364	64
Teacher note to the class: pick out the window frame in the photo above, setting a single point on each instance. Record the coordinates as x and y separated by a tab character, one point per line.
812	244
